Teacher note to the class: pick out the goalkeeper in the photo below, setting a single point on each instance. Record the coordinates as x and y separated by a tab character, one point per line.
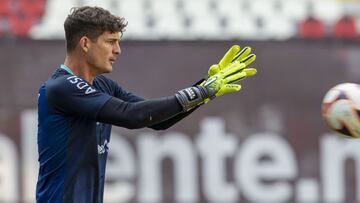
77	106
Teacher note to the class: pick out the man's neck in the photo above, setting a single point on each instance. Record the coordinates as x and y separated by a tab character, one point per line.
80	68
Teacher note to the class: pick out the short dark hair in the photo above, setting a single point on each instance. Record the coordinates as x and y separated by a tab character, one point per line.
90	22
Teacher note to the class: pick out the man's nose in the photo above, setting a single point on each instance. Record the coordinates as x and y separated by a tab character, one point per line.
117	49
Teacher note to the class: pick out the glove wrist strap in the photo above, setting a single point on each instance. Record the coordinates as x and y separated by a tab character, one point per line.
191	97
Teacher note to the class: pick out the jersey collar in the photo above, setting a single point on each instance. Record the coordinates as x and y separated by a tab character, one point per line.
67	69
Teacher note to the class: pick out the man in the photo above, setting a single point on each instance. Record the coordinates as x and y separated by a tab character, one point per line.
77	106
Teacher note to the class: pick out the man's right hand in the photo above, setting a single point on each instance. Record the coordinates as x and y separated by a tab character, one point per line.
234	54
217	85
224	81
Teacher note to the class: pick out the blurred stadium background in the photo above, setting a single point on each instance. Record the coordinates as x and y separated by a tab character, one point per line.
267	144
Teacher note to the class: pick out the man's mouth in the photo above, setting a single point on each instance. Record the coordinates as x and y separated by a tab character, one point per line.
112	60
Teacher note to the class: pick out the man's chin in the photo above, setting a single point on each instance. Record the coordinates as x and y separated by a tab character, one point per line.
107	69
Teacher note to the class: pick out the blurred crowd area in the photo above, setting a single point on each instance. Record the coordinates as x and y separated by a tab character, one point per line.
193	19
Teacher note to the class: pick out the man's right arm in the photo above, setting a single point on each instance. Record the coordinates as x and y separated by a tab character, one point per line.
122	94
139	114
71	96
147	113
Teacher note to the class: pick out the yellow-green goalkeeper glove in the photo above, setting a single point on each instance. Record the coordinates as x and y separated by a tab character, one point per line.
216	85
235	87
224	80
234	54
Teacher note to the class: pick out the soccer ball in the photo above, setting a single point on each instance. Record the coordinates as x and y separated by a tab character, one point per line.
341	109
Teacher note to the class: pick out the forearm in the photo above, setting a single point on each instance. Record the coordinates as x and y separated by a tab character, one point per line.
150	112
139	114
170	122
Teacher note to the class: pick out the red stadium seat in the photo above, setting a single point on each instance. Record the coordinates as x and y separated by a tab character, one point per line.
6	7
21	23
311	28
345	28
32	7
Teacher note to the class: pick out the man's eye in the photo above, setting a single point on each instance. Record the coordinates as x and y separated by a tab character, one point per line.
111	42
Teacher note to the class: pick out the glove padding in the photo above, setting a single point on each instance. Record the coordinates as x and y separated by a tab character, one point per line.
223	81
231	87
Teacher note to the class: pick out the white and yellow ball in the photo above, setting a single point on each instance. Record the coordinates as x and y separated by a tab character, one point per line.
341	109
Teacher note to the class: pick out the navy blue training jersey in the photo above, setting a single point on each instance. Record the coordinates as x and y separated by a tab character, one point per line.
72	145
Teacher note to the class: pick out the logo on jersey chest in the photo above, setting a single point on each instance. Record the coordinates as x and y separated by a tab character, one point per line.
103	147
81	84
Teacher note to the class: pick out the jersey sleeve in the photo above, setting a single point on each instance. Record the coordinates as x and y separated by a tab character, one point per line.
172	121
117	91
73	96
127	96
140	114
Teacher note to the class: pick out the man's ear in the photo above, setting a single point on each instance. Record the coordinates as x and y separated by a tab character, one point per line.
84	43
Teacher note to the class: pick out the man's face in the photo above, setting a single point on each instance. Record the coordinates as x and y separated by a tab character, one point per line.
103	52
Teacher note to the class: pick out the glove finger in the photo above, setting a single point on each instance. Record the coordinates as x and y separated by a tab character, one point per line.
242	54
250	71
235	77
227	88
214	69
247	71
233	68
230	54
249	59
